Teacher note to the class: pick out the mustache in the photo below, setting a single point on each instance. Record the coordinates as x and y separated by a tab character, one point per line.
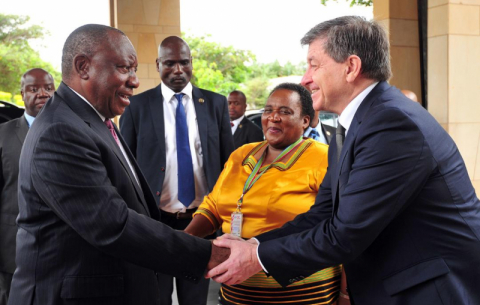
178	78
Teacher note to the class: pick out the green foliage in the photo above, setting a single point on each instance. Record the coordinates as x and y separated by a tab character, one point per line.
16	55
216	67
354	2
223	69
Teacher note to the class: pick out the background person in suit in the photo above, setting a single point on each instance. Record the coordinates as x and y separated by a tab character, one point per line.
151	125
243	130
37	86
396	206
318	131
88	229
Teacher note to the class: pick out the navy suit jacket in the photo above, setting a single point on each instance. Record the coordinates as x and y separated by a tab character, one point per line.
398	210
88	232
142	126
247	132
12	135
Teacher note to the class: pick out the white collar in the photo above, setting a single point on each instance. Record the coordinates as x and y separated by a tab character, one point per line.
237	121
168	93
346	117
101	116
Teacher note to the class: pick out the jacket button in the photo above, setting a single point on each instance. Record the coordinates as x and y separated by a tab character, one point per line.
158	193
162	169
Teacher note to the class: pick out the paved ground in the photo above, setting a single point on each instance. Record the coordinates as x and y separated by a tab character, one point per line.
212	294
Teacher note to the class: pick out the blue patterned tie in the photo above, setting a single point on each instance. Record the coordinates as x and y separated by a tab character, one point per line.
186	184
314	134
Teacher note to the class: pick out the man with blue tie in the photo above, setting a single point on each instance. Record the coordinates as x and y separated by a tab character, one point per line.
181	137
37	86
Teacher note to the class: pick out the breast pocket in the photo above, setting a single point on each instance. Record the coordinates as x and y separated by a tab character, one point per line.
415	275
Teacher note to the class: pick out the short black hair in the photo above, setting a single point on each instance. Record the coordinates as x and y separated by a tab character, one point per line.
83	40
239	93
305	97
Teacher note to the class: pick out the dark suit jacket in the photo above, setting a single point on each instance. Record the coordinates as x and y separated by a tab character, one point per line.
247	132
328	132
88	233
398	210
12	135
142	126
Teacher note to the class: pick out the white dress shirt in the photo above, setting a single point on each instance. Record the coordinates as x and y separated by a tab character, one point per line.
29	119
169	200
346	117
236	123
119	143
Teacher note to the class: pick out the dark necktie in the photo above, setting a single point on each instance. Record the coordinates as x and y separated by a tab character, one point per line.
314	134
186	184
339	137
109	124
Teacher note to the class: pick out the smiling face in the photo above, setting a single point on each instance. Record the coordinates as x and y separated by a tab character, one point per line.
324	78
282	119
37	88
175	65
112	75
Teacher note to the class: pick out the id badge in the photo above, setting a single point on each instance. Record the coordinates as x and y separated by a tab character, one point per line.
236	227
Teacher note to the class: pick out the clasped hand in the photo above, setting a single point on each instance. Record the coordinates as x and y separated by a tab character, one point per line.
240	265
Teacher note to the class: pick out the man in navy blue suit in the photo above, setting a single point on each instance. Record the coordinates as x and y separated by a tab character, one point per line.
396	207
180	169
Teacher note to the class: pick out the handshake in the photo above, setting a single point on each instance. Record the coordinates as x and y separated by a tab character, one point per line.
233	260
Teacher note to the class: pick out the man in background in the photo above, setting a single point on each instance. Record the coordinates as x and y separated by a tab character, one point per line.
181	137
37	86
244	131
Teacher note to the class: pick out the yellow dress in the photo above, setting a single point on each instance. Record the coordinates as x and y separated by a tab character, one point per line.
287	189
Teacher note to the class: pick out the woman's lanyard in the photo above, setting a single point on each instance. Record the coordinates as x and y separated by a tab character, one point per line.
237	215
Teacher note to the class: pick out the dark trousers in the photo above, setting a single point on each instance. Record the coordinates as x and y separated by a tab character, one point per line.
5	282
188	293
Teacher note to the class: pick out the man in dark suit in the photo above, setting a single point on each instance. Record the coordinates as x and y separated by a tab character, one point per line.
396	207
37	86
318	131
244	131
180	136
88	229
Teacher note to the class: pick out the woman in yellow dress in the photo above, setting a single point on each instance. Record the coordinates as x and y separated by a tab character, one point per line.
265	185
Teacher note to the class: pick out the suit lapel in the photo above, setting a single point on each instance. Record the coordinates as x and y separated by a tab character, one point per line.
202	118
91	118
156	110
21	129
240	130
360	114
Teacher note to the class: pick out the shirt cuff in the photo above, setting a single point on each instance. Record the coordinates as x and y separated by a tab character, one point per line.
258	256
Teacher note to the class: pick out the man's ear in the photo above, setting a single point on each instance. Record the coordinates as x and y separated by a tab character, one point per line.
353	68
306	122
157	63
82	64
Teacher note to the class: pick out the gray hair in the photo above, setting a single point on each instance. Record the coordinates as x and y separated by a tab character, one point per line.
354	35
84	40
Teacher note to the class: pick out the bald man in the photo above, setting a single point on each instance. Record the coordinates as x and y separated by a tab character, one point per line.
190	128
410	94
244	131
37	86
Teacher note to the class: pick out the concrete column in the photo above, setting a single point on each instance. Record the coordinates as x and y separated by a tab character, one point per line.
147	23
400	19
453	67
